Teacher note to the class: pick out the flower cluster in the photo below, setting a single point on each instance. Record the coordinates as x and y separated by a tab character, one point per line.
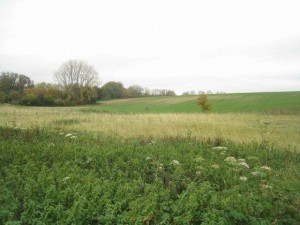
174	162
199	159
65	179
220	148
243	178
152	142
230	160
215	166
256	173
70	135
223	153
160	166
266	186
266	168
244	164
252	158
51	144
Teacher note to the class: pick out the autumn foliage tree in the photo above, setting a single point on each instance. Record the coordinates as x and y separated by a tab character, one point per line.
12	86
203	102
44	94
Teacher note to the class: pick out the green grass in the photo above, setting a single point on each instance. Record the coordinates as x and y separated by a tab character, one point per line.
274	102
51	178
159	168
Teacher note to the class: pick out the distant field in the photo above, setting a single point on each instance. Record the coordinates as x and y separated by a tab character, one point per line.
282	131
277	102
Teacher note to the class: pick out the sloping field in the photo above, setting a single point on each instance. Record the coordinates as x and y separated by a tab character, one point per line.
271	102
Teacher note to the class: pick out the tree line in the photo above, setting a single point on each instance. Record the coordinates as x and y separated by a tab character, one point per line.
76	83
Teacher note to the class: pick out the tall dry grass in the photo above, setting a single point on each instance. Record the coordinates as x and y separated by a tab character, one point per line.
283	130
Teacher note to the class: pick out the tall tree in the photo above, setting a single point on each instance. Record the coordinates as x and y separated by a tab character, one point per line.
135	91
112	90
12	85
10	81
79	80
76	72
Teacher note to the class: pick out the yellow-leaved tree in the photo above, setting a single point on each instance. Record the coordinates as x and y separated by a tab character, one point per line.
203	102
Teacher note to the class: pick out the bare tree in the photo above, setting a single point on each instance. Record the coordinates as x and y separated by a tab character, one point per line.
78	79
76	72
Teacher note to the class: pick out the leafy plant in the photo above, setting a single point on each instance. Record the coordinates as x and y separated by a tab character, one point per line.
203	102
51	178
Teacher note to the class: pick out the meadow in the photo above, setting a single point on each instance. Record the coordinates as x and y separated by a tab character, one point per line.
102	164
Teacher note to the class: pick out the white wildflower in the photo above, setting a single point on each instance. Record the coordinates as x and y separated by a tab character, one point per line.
266	186
230	160
215	166
50	144
68	135
255	173
65	179
16	128
243	178
61	133
241	160
252	158
266	168
198	172
223	153
244	164
148	158
200	168
160	168
199	159
220	148
174	162
73	137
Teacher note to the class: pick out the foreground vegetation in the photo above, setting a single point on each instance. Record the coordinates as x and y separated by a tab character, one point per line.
277	102
85	178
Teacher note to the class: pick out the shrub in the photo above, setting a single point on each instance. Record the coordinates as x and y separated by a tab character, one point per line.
203	102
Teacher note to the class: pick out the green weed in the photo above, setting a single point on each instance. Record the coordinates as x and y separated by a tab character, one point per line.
84	178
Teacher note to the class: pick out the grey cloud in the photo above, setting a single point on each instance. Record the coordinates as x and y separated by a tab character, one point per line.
281	50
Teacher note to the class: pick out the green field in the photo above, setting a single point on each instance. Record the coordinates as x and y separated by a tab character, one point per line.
277	102
154	160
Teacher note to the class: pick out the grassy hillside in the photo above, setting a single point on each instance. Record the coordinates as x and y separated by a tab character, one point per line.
241	102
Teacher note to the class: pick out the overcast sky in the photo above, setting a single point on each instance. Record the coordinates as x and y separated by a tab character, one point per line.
231	46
